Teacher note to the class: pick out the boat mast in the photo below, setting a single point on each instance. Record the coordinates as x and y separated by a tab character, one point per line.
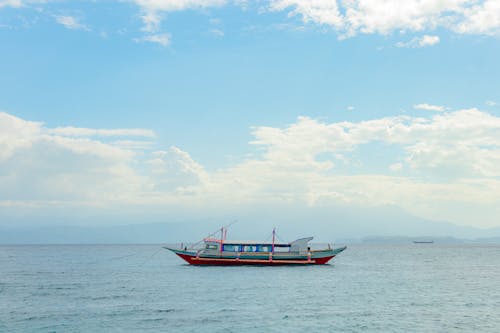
274	236
221	239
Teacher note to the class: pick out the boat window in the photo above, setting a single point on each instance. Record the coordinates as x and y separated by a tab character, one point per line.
265	248
231	248
250	248
211	247
281	249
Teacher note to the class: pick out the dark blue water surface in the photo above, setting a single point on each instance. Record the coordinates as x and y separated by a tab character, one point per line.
136	288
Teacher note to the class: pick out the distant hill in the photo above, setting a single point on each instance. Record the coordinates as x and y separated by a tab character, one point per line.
326	224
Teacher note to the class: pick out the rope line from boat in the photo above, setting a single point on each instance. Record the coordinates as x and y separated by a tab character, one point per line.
275	235
137	253
150	257
125	256
279	238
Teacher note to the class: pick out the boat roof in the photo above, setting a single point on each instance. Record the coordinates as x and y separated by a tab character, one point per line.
244	242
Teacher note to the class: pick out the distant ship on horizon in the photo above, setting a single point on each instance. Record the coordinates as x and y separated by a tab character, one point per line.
423	242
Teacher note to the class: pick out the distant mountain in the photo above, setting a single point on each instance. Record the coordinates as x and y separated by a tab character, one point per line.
326	224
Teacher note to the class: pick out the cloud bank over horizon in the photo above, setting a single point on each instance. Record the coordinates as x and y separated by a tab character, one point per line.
441	167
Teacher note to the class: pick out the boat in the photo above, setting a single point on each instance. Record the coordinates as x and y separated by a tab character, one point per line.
220	251
423	242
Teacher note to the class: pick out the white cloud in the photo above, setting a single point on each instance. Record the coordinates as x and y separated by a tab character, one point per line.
481	18
152	10
350	108
11	3
70	22
176	170
418	42
176	5
152	21
81	131
351	17
445	137
491	103
36	165
162	39
446	157
429	107
217	32
69	165
396	166
133	144
319	11
215	21
16	134
347	17
427	40
444	162
19	3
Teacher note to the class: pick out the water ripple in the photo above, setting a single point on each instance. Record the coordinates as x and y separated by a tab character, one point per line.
369	288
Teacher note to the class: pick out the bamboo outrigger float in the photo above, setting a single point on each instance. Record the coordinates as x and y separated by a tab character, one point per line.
219	251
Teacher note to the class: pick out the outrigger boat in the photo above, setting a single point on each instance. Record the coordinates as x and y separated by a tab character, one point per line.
219	251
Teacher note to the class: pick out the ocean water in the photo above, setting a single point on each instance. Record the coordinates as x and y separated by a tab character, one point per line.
142	288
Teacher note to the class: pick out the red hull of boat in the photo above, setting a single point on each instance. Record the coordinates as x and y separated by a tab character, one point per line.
193	260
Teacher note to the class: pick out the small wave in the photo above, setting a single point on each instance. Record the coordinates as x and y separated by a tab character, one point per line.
165	310
73	286
105	298
152	319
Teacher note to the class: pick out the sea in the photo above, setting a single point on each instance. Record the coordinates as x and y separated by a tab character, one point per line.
144	288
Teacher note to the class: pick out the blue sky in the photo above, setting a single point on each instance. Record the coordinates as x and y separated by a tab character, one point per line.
191	103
